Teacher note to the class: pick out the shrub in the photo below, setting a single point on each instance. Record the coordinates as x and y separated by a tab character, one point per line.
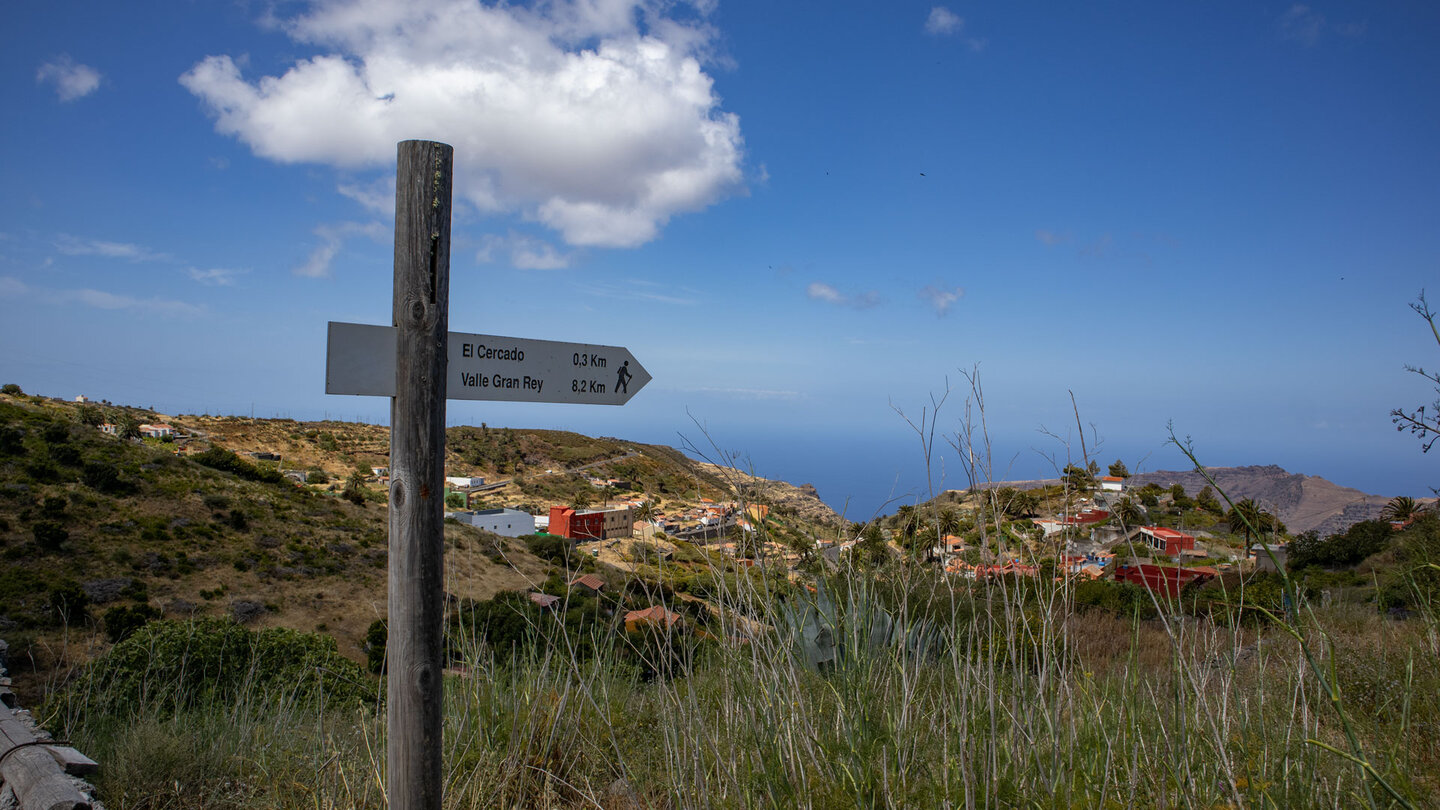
49	535
102	476
548	547
122	622
375	639
168	666
317	477
218	458
68	601
11	389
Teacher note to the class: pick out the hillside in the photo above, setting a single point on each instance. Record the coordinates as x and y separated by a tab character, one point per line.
1302	502
275	522
786	498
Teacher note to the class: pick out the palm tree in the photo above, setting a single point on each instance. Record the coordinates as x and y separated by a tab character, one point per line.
948	521
906	516
1400	509
1129	512
1249	519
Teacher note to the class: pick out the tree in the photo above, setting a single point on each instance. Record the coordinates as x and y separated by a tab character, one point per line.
126	425
871	549
354	491
89	415
11	390
1206	500
1129	512
1400	509
1077	478
1424	426
581	499
1249	519
1119	470
948	521
906	517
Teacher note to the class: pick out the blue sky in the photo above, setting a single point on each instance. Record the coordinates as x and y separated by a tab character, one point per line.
797	216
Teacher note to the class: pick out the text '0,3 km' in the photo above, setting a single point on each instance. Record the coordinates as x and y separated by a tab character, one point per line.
360	360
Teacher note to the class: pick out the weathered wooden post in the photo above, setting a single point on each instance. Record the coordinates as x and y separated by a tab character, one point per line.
417	473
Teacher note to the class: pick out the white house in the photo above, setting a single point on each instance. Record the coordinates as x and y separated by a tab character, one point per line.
159	431
504	522
1112	483
464	481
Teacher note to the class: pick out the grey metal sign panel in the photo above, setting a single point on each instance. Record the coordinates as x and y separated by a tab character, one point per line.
360	360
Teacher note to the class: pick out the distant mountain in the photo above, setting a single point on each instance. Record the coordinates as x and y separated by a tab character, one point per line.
1302	502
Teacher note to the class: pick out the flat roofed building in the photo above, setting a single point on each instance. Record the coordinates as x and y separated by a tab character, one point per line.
504	522
1167	541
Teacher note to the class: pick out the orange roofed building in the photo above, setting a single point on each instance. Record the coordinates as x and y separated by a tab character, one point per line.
656	616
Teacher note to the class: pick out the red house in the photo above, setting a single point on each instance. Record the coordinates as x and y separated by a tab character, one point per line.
584	526
1167	541
1161	579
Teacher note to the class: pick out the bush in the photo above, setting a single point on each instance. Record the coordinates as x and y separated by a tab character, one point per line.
49	535
122	622
102	476
375	640
317	477
68	601
11	389
548	547
218	458
168	666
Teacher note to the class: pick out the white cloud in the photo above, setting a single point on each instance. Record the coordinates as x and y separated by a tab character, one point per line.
942	298
526	252
71	80
943	22
377	196
215	276
74	246
592	117
820	291
99	299
332	238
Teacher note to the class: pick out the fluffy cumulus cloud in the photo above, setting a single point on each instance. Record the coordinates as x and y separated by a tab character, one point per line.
941	299
595	118
70	79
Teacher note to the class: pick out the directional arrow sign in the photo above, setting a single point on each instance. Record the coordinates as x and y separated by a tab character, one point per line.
360	359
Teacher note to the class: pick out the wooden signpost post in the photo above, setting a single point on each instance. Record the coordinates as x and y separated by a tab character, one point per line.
412	362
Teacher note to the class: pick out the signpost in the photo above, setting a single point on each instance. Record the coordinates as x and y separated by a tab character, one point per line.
360	359
418	363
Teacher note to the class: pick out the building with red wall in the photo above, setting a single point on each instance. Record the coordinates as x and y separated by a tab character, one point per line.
1167	541
597	524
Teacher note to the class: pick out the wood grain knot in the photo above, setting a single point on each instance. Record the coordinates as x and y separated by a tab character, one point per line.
424	491
397	494
417	311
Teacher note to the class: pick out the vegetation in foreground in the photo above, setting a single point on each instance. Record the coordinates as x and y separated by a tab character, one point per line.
881	688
